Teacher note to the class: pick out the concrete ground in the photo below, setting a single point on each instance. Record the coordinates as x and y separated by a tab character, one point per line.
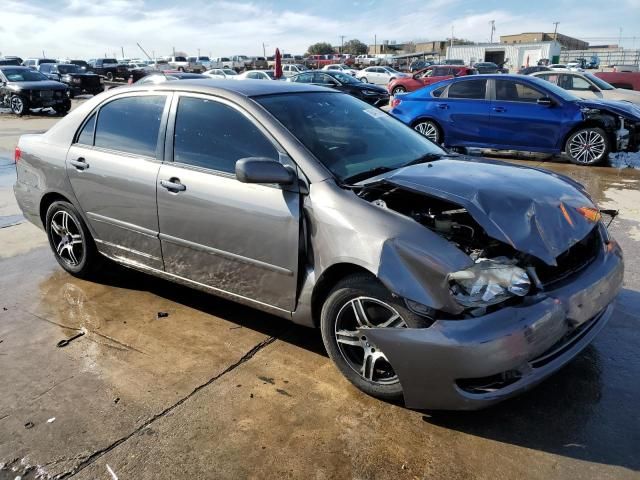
217	390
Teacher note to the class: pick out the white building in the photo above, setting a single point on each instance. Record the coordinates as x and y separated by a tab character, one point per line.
513	56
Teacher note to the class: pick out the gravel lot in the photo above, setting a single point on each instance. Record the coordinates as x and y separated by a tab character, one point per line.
217	390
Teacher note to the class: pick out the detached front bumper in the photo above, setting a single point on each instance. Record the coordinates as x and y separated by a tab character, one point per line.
474	363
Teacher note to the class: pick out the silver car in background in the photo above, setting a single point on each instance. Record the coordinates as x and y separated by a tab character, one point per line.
446	281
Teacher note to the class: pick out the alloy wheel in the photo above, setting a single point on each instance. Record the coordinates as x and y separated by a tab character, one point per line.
587	147
353	320
17	105
429	130
399	90
67	238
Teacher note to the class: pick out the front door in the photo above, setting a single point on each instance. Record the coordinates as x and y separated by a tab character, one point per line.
113	166
518	122
235	237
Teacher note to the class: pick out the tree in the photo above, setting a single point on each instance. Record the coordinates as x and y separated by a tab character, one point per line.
355	47
320	48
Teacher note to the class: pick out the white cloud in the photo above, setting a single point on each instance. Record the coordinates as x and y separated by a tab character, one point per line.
79	28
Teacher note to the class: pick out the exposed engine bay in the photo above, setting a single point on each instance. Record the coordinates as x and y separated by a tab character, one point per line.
500	273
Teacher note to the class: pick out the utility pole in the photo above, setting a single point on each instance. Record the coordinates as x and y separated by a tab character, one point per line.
493	29
555	31
341	43
122	50
144	51
198	52
174	51
264	49
375	44
451	47
620	39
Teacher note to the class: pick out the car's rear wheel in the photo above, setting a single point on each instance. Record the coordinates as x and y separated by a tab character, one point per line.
429	129
587	146
399	89
355	304
18	105
70	239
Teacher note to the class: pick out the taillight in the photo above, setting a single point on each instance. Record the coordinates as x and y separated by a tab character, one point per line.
395	102
17	155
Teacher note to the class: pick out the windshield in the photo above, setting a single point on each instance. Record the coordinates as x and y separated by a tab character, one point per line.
23	75
69	69
391	70
599	82
270	74
345	78
346	135
203	59
228	71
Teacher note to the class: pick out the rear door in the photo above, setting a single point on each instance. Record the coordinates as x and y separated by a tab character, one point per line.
465	112
113	167
235	237
519	122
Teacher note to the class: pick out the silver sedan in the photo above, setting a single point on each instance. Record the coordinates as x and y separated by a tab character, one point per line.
445	281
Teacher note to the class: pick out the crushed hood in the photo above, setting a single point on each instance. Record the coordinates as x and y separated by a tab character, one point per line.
626	109
532	210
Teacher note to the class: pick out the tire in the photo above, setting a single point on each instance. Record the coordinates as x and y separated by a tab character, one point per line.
398	90
374	377
429	129
18	105
180	69
364	80
109	76
587	146
63	109
72	236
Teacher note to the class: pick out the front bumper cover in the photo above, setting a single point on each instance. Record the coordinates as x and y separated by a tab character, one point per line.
533	340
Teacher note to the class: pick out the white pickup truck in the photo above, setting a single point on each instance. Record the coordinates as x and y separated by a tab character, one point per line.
367	60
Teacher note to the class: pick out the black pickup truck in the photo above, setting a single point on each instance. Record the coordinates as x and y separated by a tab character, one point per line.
77	79
109	68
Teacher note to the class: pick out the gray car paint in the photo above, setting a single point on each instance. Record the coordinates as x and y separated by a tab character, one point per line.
337	228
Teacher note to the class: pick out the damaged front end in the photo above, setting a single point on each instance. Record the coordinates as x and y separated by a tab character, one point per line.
621	121
542	274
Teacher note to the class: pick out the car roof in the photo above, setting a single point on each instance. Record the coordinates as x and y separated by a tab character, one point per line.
246	88
13	67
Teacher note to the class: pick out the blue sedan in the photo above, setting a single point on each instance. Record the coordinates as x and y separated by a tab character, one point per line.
516	112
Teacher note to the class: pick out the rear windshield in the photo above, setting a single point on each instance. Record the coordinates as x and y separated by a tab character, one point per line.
180	59
109	60
69	69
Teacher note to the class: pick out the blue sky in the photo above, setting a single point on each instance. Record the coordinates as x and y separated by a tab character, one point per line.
81	28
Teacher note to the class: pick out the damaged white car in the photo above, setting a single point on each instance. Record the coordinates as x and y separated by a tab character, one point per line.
445	281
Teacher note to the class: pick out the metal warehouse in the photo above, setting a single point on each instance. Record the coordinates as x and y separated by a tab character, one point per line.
512	55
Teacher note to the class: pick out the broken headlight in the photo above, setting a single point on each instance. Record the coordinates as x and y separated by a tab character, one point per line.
488	282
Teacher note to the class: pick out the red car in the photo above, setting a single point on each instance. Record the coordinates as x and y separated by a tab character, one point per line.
628	80
427	76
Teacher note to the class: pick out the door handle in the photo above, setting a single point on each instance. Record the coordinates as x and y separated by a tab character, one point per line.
80	163
499	109
443	106
173	185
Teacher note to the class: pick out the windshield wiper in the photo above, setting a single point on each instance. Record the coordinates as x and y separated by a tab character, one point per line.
358	177
428	157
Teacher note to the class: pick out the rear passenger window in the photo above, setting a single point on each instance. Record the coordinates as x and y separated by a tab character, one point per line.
131	125
516	92
474	89
212	135
86	134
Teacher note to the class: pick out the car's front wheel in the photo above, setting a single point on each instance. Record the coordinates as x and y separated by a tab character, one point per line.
587	146
355	304
18	105
399	89
70	240
364	80
429	129
110	76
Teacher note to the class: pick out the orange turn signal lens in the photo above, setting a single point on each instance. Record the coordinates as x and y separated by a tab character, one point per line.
591	214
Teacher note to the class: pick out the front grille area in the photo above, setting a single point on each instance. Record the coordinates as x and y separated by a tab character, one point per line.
576	258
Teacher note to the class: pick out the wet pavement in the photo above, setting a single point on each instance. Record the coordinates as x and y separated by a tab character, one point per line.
217	390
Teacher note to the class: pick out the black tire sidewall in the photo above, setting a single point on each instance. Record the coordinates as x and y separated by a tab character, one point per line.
607	144
85	267
347	289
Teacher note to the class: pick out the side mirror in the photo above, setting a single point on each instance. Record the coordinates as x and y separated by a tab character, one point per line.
263	170
545	101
